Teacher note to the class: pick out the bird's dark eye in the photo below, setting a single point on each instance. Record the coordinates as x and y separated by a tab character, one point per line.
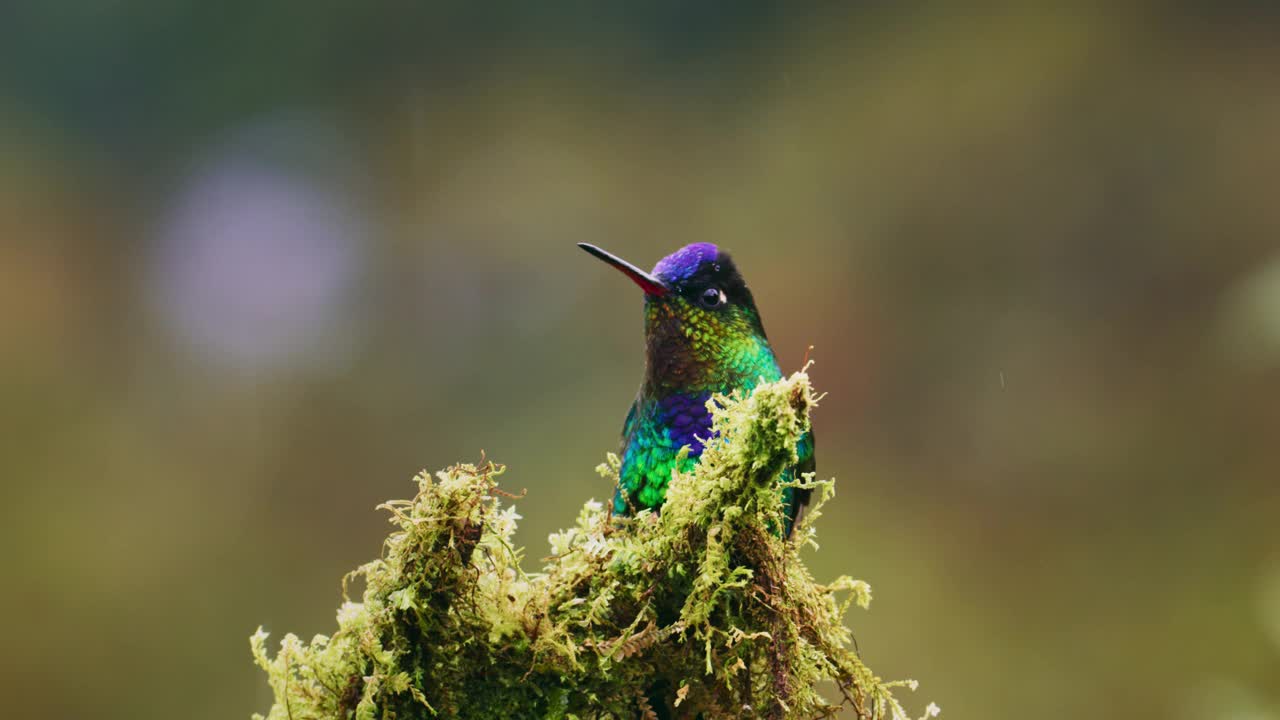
712	298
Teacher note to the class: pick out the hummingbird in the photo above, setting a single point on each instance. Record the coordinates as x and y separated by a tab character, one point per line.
703	336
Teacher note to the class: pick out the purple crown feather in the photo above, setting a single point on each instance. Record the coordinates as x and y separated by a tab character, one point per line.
682	263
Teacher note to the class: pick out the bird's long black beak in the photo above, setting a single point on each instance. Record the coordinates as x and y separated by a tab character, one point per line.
648	283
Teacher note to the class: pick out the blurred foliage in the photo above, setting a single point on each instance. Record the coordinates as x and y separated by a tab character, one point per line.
1031	244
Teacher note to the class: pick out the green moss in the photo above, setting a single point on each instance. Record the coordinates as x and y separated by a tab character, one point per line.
700	611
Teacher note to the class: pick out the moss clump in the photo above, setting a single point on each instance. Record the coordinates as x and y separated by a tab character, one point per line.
699	611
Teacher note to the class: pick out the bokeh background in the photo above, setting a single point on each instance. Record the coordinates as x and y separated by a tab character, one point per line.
262	262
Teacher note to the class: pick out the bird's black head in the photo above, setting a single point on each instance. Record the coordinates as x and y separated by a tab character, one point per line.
701	275
701	323
705	276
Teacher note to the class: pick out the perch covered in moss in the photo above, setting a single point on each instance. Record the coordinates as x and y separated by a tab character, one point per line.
700	611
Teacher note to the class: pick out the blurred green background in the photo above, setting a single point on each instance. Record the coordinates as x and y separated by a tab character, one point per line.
262	262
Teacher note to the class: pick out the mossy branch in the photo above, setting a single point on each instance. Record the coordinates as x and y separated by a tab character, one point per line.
701	611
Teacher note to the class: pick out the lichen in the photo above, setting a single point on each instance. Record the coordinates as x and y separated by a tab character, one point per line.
702	610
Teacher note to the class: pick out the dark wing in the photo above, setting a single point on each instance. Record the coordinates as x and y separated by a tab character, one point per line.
799	498
628	427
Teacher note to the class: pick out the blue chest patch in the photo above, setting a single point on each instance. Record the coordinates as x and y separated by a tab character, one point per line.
654	436
686	419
